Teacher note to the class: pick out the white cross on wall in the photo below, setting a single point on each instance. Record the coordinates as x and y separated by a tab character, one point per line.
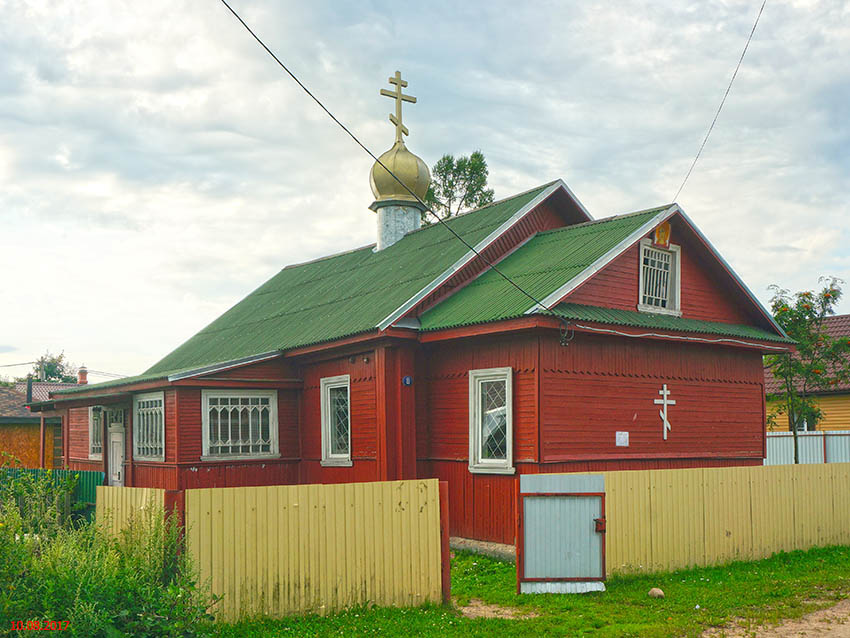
664	401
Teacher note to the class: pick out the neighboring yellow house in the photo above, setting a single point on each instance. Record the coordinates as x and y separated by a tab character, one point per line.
835	404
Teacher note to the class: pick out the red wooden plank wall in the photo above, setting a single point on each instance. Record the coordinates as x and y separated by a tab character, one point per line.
363	419
238	474
447	392
78	424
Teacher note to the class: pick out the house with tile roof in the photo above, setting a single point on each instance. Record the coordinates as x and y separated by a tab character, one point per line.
522	337
24	436
833	403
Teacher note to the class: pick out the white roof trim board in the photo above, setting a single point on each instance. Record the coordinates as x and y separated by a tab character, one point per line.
481	246
554	298
224	365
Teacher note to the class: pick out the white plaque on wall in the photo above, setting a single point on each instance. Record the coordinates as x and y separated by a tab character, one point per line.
622	439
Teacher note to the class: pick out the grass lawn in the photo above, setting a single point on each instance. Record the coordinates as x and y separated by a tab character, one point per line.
785	586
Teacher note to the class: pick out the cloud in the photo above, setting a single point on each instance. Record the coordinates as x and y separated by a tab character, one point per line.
4	349
156	165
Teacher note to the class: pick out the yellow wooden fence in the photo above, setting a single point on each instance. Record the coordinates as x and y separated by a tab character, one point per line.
115	505
669	519
317	548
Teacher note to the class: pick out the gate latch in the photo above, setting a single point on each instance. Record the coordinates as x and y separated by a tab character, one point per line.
600	525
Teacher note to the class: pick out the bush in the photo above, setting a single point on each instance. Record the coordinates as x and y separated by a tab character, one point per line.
42	499
137	583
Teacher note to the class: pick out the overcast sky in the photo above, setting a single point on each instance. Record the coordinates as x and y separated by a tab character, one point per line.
156	165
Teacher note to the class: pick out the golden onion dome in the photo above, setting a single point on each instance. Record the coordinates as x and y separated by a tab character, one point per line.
407	167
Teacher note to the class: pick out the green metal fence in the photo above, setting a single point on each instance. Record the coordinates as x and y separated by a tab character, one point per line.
85	492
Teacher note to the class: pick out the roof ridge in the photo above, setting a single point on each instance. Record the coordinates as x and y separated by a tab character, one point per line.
605	219
331	256
480	208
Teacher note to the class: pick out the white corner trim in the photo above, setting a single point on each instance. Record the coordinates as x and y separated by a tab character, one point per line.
553	298
735	276
408	322
482	245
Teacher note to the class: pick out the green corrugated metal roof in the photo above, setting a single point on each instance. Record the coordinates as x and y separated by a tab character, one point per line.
333	297
544	264
580	312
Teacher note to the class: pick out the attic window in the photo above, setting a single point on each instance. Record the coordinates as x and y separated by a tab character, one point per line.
659	279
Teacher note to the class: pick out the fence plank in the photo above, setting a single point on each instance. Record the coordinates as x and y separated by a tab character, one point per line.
116	505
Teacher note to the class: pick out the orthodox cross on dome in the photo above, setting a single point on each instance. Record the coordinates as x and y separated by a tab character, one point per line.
399	97
664	401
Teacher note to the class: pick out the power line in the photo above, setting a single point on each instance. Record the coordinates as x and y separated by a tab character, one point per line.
106	374
372	155
15	365
722	102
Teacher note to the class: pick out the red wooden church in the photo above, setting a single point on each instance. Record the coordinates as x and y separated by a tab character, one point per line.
415	358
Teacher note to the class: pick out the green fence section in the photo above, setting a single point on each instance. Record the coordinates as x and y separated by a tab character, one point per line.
84	492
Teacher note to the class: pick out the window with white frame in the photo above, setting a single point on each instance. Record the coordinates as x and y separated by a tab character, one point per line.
96	432
491	420
336	420
659	279
239	423
149	426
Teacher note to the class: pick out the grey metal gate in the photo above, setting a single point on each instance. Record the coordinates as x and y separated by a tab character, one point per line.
560	533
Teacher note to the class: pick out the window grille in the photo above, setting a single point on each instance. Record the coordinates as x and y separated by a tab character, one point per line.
336	420
494	421
240	423
657	266
149	426
95	431
490	420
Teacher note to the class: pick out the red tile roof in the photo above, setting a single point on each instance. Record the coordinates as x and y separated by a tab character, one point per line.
42	389
835	326
12	404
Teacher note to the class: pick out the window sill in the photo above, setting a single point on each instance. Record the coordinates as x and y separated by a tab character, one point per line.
95	457
659	311
240	457
149	459
336	463
488	469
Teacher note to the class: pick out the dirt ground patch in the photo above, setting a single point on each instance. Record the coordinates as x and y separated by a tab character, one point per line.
832	622
479	609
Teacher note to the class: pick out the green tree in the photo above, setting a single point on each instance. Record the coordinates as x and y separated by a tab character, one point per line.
53	367
818	362
458	184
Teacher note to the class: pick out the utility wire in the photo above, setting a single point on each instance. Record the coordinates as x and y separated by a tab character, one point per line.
372	155
722	102
15	365
106	374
